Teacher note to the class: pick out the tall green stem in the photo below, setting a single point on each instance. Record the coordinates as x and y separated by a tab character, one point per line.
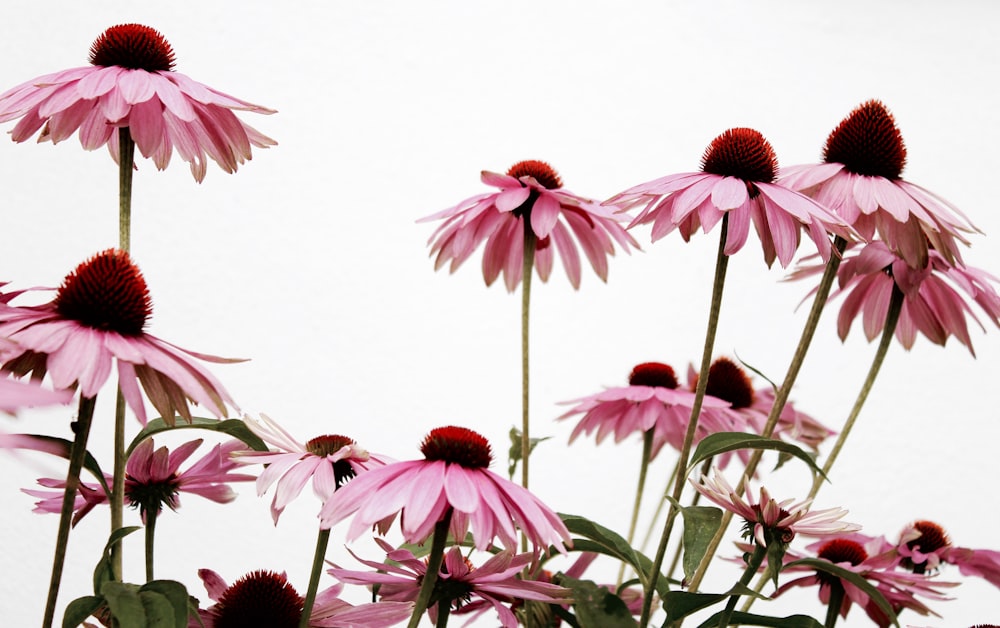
781	397
834	604
322	541
526	267
721	263
753	564
891	318
126	155
150	532
647	449
444	611
433	568
78	451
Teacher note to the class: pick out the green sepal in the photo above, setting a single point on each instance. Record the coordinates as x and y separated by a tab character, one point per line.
596	605
724	442
232	427
855	579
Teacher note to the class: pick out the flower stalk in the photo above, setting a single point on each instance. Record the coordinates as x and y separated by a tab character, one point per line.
322	541
526	267
753	564
434	560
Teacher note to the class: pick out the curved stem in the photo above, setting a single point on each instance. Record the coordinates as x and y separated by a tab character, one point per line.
322	541
433	568
781	397
753	564
721	263
81	428
647	448
526	267
150	532
891	318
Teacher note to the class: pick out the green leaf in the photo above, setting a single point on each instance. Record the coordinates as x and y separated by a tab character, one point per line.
724	442
159	611
680	604
231	427
854	578
103	572
603	541
700	525
514	455
62	447
124	603
749	619
596	605
80	609
176	595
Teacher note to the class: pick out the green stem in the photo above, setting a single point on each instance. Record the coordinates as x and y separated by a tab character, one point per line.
833	606
444	610
891	319
433	568
126	155
647	449
322	541
753	564
78	451
526	267
721	263
150	532
695	499
659	510
781	397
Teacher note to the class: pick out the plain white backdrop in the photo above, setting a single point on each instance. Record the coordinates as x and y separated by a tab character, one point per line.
309	260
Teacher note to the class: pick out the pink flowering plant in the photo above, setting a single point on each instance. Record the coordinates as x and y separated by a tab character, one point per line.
456	540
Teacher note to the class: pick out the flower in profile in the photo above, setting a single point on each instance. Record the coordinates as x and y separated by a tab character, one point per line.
15	395
131	84
266	599
651	401
452	478
461	587
737	179
861	180
933	304
530	196
154	479
98	317
330	461
924	546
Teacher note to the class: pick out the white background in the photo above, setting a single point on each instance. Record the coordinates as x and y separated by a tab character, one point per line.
308	260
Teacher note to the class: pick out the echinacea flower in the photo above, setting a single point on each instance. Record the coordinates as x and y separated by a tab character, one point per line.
461	587
15	395
131	84
651	401
266	599
98	317
925	546
530	197
861	180
330	461
933	304
737	180
452	478
154	479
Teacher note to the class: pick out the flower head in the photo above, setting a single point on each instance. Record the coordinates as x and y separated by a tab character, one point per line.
330	461
736	180
530	197
131	85
861	180
925	545
453	477
266	599
97	317
461	585
933	303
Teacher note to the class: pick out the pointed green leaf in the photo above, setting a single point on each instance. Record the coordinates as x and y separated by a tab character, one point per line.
231	427
854	578
62	447
124	603
102	572
700	525
749	619
80	609
724	442
595	605
176	595
680	604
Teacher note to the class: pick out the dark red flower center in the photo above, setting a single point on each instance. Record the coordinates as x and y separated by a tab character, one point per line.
843	551
458	445
152	496
653	374
729	382
133	46
932	537
868	143
260	599
542	172
106	292
331	444
744	154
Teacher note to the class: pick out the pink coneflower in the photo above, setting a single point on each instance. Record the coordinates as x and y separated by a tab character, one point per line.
452	478
154	479
860	179
530	191
736	179
16	395
461	587
924	546
266	599
131	84
330	461
769	521
851	552
98	317
932	305
651	401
